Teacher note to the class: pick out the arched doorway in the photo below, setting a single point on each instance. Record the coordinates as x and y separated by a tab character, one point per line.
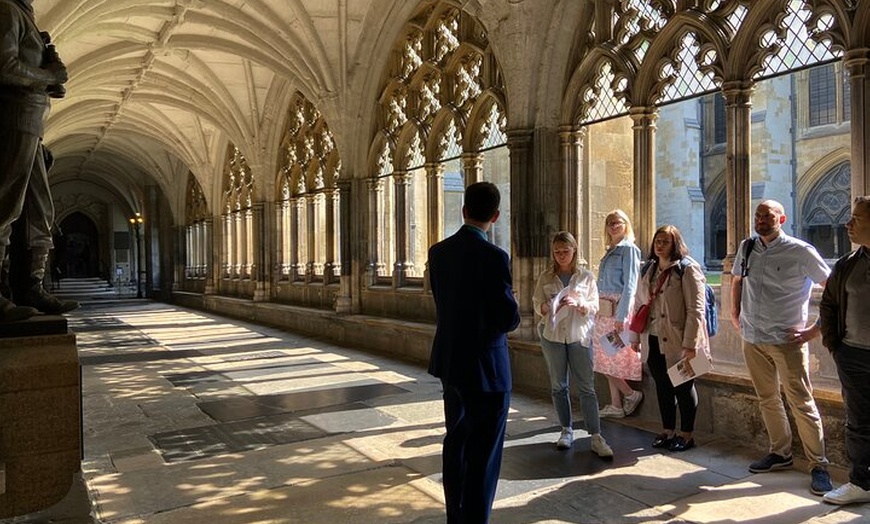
77	248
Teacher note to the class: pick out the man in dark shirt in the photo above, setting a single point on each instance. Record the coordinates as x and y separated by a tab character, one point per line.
845	324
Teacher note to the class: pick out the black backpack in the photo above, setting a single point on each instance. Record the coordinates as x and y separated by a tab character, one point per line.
711	309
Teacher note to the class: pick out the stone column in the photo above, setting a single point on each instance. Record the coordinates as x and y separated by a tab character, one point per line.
738	183
738	123
375	263
435	197
856	61
576	207
332	264
472	167
213	260
261	248
528	232
401	185
644	128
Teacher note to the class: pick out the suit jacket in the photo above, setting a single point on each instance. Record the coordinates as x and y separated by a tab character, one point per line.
475	307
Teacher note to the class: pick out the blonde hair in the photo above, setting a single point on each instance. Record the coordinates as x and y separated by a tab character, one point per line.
629	231
565	238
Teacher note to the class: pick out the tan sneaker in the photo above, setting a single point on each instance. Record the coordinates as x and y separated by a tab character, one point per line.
630	402
610	411
600	447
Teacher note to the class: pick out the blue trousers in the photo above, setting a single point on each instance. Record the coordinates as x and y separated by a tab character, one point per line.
562	358
853	367
471	458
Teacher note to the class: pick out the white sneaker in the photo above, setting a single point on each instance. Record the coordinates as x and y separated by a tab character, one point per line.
848	493
611	411
565	439
630	402
600	447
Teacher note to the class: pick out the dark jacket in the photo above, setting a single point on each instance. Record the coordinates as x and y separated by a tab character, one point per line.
832	308
475	307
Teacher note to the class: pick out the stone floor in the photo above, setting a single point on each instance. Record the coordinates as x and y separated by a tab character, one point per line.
193	418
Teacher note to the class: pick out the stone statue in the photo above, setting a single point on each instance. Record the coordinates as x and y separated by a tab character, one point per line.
30	73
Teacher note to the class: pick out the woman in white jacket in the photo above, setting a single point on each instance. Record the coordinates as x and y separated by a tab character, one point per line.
566	298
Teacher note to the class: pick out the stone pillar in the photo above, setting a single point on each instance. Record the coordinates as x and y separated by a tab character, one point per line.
529	233
40	414
262	247
644	128
472	167
310	247
576	207
213	260
856	61
435	197
404	264
332	264
375	262
738	183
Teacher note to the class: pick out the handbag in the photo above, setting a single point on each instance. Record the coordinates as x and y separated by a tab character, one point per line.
605	307
640	320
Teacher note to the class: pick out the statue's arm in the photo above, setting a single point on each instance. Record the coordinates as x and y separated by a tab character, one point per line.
14	72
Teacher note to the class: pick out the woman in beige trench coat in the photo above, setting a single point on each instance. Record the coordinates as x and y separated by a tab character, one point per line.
675	330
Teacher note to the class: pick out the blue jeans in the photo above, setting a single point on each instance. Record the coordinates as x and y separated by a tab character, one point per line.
853	367
561	358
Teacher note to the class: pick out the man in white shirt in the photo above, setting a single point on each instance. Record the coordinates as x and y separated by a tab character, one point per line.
770	295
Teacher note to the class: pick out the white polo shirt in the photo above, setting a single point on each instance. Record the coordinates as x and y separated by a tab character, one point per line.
776	289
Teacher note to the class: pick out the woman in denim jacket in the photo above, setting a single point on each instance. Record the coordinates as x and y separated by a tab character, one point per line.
566	298
675	331
617	282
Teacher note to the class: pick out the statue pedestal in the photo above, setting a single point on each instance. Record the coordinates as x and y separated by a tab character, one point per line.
40	414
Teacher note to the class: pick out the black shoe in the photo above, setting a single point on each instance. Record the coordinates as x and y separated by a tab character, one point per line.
681	444
770	463
663	441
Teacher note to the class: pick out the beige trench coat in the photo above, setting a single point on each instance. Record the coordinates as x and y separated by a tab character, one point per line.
678	311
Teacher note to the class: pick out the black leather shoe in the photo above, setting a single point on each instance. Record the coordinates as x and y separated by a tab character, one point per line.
681	444
663	441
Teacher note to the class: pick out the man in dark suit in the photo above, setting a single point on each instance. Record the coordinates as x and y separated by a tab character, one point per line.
476	308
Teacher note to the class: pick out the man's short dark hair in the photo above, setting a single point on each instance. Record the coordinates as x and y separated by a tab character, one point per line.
481	201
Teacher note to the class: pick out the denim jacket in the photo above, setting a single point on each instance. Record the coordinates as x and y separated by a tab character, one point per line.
617	274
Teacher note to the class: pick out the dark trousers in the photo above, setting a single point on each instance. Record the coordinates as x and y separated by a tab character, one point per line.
853	367
670	397
472	452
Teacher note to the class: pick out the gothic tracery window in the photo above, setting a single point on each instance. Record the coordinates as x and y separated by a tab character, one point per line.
440	118
826	210
308	197
197	231
238	188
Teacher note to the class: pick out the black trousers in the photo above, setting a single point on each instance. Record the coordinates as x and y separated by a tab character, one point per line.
853	367
685	396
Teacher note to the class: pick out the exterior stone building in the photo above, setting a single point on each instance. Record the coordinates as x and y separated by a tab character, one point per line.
293	161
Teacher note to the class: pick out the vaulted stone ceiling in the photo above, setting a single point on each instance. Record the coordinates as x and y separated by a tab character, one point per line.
158	87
